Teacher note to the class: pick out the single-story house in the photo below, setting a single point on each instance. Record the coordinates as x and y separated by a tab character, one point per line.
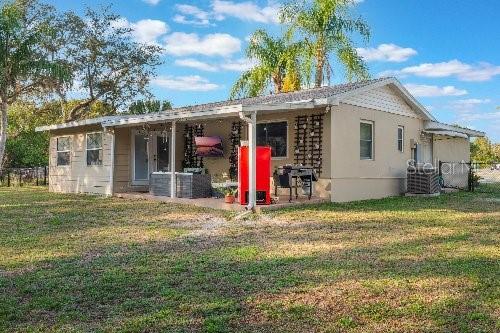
358	136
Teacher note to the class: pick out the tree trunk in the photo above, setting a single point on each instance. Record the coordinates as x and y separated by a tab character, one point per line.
318	80
278	85
320	63
3	129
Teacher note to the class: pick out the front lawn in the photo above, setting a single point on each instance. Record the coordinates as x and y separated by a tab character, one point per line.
74	263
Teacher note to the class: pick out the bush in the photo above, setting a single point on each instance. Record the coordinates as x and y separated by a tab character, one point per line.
27	149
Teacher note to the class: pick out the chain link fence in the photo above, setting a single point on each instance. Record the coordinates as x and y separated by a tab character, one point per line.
455	175
36	176
485	176
475	176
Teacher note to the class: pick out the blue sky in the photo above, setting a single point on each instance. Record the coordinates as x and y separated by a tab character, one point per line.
447	53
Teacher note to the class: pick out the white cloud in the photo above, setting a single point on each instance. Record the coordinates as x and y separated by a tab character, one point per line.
185	83
387	52
221	9
182	44
148	31
482	71
196	64
239	65
422	90
246	11
468	104
152	2
144	31
198	16
474	116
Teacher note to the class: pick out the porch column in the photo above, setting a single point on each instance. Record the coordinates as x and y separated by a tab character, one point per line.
252	159
173	187
111	132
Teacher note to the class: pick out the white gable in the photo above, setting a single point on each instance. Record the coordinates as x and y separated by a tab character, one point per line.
383	98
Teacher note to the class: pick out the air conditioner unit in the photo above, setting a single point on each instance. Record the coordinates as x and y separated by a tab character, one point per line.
422	180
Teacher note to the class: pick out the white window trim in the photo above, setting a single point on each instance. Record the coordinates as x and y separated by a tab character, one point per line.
402	139
63	151
280	158
87	149
372	123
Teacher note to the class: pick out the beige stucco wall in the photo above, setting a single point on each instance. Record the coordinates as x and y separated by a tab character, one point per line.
449	149
356	179
78	177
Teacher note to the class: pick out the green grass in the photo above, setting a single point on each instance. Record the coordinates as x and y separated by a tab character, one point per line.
74	263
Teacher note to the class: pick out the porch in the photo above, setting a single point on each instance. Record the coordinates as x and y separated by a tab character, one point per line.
145	147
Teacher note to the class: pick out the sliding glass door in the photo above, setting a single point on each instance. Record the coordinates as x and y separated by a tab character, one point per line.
150	153
140	158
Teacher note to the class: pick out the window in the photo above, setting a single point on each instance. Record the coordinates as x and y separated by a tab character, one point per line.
366	140
94	149
274	135
401	135
63	151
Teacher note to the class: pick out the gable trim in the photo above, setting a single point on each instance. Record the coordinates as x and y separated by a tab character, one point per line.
414	104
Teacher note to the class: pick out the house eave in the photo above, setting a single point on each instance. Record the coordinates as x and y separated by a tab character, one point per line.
442	128
71	124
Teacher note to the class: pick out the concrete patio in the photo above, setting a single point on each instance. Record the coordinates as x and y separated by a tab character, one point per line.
216	203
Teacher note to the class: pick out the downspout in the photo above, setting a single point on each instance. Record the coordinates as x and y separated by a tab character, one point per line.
251	120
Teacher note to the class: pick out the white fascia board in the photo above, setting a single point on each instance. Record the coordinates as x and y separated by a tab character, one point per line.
220	112
437	126
71	124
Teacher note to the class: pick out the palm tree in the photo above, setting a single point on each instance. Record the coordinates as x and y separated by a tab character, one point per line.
277	63
326	26
24	64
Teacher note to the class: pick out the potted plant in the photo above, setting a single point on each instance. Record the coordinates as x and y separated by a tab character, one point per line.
229	194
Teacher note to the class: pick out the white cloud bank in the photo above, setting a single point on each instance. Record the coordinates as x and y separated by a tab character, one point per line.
422	90
387	53
155	32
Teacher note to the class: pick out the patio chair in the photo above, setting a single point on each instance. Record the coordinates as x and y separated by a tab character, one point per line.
283	178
